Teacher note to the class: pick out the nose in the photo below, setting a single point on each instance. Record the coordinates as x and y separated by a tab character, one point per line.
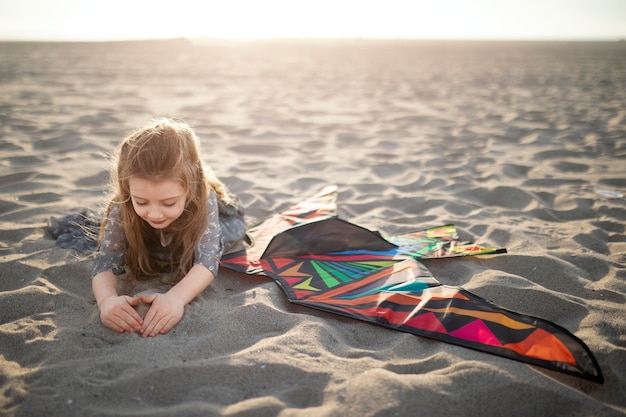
154	213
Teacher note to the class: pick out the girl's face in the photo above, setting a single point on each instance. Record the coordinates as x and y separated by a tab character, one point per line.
158	203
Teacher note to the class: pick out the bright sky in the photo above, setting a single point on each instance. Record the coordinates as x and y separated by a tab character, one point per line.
244	19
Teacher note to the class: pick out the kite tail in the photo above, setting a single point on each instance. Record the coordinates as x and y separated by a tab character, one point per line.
421	306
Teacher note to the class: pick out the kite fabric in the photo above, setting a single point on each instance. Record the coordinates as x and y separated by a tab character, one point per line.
323	262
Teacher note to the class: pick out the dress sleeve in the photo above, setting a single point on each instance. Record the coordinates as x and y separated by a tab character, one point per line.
112	250
209	251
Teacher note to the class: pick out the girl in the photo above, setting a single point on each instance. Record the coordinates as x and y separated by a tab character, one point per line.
168	214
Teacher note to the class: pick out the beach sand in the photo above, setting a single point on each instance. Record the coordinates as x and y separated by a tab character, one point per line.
521	145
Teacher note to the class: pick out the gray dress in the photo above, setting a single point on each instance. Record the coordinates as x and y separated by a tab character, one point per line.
226	229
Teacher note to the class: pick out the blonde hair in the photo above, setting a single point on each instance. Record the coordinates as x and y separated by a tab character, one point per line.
165	149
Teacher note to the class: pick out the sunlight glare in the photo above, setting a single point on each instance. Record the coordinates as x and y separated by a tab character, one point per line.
253	19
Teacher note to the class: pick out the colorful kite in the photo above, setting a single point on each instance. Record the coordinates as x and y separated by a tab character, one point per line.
323	262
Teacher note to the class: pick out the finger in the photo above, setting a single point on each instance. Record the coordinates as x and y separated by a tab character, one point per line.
130	316
113	325
128	319
149	322
148	299
121	316
168	326
162	326
120	326
133	301
152	328
158	324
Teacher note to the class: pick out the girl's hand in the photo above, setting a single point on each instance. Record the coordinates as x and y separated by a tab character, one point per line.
117	313
164	313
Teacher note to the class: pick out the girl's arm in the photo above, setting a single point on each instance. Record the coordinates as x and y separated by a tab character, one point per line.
197	280
167	309
116	312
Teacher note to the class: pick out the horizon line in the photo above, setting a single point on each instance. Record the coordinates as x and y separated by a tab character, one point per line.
307	38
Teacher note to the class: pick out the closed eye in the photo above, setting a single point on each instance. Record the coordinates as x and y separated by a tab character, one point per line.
164	203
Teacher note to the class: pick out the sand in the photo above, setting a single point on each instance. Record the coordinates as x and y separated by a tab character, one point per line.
521	145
